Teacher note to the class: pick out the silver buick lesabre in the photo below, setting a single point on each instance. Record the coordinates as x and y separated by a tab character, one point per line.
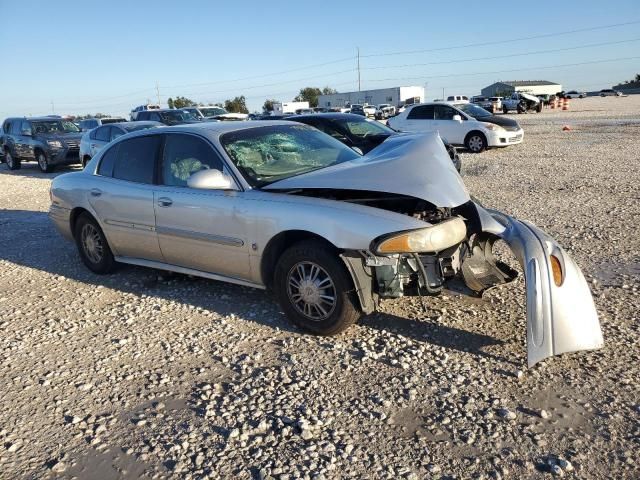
285	207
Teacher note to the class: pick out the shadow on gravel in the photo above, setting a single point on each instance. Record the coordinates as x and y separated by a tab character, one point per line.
29	239
436	334
31	169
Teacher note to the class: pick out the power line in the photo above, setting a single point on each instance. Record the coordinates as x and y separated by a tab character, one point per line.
503	56
457	74
497	42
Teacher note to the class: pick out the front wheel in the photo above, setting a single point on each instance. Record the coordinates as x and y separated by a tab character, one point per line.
505	110
315	289
43	162
12	163
92	245
476	142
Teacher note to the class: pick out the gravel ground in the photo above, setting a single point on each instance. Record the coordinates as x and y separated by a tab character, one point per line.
143	374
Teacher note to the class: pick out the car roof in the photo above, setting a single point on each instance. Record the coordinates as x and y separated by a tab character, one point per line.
328	116
37	118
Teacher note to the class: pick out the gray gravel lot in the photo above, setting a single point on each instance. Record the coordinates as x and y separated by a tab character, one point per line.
144	374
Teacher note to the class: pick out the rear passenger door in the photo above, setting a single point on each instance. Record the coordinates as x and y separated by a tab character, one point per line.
99	138
420	119
122	196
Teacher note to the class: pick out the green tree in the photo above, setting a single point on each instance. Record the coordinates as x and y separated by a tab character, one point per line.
181	102
237	105
309	94
329	91
170	102
268	105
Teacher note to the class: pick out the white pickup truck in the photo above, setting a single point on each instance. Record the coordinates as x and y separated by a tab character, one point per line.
521	103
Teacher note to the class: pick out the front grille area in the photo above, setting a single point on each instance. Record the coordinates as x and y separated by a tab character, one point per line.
517	138
72	144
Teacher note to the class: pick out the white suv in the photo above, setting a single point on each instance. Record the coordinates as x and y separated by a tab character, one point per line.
466	124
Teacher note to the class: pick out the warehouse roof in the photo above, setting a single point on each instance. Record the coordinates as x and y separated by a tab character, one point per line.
528	83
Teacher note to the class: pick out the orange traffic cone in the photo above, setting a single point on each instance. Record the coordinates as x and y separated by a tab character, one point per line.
552	104
565	104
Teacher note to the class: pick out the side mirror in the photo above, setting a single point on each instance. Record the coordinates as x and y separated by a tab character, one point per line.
457	118
211	179
26	132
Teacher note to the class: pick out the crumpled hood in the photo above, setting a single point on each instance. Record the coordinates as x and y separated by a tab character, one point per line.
417	165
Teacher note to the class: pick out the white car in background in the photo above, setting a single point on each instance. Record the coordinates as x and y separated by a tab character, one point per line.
463	124
370	110
575	94
458	99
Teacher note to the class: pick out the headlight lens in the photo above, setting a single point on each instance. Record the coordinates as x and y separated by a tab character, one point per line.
430	239
54	143
492	126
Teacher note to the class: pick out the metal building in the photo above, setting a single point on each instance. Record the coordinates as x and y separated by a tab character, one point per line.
396	96
534	87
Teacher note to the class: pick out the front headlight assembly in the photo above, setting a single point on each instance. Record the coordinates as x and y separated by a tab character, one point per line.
435	238
492	126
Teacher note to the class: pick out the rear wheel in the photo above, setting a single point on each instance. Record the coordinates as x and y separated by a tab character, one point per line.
43	162
315	290
505	110
476	142
12	162
92	245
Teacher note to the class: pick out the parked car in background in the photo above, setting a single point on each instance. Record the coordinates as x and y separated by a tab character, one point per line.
474	128
212	112
195	111
320	109
521	103
168	116
610	92
359	132
142	108
357	110
303	111
94	140
369	110
287	208
384	111
91	123
575	94
47	140
458	99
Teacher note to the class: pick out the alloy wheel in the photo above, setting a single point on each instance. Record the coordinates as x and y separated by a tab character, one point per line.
311	291
42	162
92	243
476	143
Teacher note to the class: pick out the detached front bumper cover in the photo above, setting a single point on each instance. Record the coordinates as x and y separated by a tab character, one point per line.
560	319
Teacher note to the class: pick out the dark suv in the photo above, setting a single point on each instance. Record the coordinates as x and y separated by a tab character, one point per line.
49	141
168	116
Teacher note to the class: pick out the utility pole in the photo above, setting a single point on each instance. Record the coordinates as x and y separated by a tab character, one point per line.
358	50
158	92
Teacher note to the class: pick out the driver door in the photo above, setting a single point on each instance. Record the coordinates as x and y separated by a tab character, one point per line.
204	230
449	129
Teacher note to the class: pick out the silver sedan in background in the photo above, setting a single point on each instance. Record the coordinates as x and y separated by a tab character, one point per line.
285	207
93	140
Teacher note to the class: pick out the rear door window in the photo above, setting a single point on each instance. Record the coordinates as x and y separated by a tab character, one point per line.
136	160
423	112
103	134
116	132
443	112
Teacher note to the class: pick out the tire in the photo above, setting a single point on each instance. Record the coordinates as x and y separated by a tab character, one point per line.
85	160
43	162
539	108
475	142
92	245
301	270
12	163
505	110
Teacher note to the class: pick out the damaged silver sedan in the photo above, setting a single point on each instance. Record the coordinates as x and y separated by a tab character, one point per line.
330	232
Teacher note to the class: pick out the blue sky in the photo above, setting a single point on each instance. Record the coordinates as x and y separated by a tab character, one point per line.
89	57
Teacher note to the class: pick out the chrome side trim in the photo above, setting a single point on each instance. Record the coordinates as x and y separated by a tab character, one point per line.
135	226
204	237
187	271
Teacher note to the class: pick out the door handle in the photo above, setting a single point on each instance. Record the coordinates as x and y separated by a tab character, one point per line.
165	202
96	192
